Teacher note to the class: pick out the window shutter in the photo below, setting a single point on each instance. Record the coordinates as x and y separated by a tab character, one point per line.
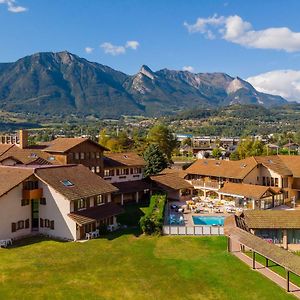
52	225
13	227
41	222
27	223
75	205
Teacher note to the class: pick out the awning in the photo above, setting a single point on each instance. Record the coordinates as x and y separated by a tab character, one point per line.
97	213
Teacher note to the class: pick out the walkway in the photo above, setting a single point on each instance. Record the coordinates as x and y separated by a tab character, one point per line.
294	290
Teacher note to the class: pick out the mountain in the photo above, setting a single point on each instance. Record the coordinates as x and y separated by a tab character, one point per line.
63	83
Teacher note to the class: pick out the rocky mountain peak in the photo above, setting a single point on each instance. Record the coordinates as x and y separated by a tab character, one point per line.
145	70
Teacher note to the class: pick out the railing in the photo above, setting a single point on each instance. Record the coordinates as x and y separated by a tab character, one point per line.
206	184
192	230
33	194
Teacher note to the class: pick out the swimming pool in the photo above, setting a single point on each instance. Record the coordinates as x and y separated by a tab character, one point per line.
208	220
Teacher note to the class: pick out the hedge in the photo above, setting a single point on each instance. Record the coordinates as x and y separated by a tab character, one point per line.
152	221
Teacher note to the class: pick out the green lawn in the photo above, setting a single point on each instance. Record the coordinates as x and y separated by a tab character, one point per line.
128	266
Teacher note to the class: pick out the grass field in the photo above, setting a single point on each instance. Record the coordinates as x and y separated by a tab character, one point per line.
129	266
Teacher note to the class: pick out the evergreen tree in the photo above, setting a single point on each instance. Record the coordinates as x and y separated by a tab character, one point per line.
156	161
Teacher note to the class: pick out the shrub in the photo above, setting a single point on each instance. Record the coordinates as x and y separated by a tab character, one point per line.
152	221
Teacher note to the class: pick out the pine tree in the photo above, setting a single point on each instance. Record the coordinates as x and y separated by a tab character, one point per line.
156	161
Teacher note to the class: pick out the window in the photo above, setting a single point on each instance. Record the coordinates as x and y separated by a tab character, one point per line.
52	225
43	201
276	182
93	169
41	222
51	158
98	155
20	225
268	181
67	183
81	155
47	223
106	173
27	223
25	202
272	181
99	200
13	227
97	169
264	180
81	204
76	155
31	185
92	155
257	178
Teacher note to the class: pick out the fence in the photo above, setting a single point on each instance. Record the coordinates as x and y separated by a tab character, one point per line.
192	230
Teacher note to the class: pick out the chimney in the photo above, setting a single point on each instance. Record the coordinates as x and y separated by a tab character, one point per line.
23	138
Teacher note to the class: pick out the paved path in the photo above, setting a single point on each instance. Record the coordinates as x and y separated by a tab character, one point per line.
294	290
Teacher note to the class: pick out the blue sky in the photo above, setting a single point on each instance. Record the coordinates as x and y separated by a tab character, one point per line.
232	36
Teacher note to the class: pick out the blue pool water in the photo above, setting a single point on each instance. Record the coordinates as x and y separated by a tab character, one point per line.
206	220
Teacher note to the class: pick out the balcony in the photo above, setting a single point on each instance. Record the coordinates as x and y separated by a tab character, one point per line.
212	185
33	194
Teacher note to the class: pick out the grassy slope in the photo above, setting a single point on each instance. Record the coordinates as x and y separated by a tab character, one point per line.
131	267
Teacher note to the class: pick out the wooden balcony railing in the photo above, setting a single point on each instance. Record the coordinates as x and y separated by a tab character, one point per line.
206	184
33	194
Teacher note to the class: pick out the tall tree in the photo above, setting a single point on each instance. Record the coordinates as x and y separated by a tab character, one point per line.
161	135
156	161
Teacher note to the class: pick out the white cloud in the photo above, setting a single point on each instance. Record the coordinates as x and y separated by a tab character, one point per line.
188	68
132	44
88	50
234	29
109	48
13	7
114	50
285	83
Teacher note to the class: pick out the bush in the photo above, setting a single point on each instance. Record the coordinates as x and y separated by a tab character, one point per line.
152	221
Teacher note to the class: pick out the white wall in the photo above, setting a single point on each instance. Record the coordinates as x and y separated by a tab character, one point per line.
57	208
130	177
11	211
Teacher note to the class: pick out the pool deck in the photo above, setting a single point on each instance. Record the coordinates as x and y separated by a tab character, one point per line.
188	215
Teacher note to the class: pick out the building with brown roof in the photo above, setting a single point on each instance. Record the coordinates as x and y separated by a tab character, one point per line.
53	200
176	187
125	170
281	227
277	171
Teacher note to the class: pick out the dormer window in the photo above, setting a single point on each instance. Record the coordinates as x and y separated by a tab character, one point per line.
67	183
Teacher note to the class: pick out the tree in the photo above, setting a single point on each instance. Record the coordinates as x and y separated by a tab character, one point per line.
216	153
103	138
250	147
187	141
156	161
164	138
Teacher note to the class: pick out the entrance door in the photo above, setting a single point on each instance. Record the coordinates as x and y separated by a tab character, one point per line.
35	214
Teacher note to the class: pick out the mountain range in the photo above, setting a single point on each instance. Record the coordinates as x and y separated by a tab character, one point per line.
63	83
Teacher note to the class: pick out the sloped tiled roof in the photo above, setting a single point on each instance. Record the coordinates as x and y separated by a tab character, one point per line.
276	254
292	162
275	163
179	172
222	168
96	213
171	181
132	186
28	156
85	183
11	177
272	219
126	159
4	148
246	190
62	145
